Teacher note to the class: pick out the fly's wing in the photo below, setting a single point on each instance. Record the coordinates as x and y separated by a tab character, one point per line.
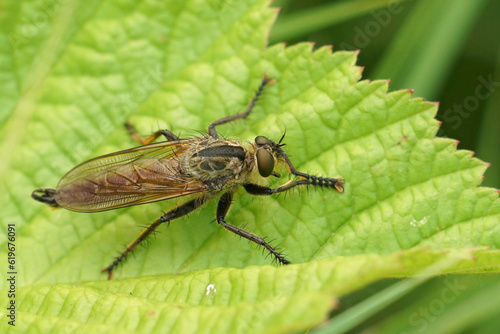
139	175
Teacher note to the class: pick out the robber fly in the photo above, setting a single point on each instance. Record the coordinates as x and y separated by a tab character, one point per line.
203	166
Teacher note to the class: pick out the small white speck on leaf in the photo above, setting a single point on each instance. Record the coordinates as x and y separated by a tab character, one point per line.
211	289
421	222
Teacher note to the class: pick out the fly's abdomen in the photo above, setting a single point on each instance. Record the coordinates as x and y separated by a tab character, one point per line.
85	195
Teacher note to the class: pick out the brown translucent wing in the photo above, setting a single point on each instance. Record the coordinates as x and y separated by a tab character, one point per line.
139	175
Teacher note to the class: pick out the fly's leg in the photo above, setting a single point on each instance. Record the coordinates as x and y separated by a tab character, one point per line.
303	178
175	213
255	189
308	180
169	135
223	208
211	128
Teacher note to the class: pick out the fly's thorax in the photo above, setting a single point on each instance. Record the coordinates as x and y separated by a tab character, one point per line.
211	159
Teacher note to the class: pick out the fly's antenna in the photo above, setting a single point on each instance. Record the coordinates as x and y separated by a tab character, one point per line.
281	139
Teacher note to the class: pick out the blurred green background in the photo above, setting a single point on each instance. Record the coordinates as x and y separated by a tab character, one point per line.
446	51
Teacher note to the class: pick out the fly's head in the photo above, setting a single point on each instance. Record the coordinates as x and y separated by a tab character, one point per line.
267	155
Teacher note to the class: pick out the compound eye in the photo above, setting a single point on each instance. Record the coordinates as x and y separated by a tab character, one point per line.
261	140
265	162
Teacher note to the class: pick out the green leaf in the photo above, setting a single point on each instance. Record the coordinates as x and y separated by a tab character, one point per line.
73	72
